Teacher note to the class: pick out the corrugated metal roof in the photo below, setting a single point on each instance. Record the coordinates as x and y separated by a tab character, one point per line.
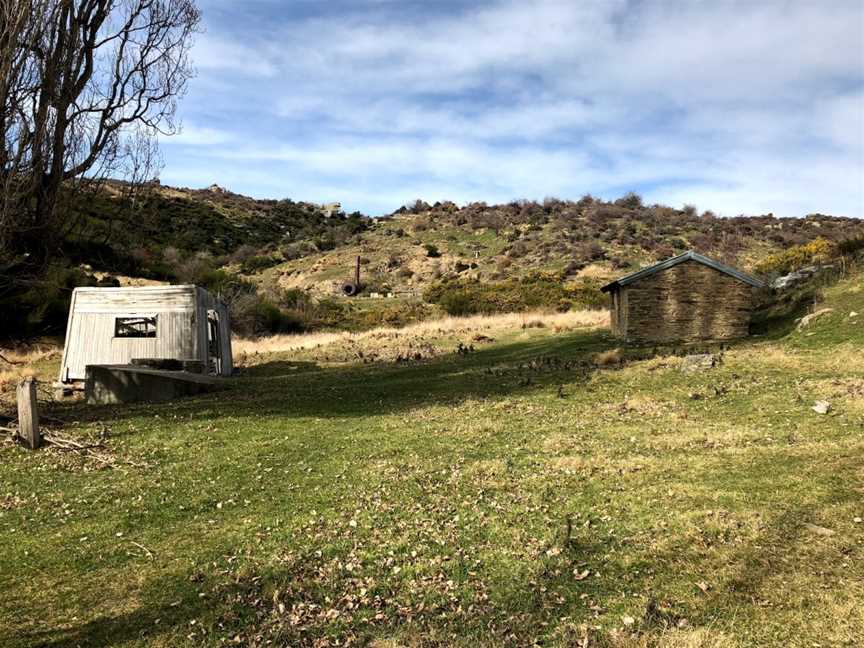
681	258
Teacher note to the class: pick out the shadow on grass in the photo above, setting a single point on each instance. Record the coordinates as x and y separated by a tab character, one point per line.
289	388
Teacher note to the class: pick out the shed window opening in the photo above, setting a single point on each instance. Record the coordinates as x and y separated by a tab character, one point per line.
135	327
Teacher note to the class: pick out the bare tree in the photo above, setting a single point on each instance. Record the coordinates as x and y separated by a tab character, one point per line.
86	87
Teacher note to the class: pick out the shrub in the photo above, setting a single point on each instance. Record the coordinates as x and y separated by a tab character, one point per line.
458	303
419	206
295	299
573	268
259	262
630	200
242	254
269	318
44	306
297	250
664	251
849	247
796	257
607	358
535	291
432	251
618	263
518	249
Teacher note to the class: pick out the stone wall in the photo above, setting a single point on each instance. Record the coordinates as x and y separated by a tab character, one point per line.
687	302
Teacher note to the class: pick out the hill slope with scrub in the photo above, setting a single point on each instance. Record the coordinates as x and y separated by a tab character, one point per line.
281	264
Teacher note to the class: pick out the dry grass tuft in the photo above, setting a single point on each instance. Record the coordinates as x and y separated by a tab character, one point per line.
448	326
10	379
683	638
537	323
14	356
17	362
607	358
570	464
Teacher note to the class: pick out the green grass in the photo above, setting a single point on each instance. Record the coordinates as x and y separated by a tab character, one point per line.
428	503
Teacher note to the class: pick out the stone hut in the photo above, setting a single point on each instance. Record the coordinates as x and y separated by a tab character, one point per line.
686	298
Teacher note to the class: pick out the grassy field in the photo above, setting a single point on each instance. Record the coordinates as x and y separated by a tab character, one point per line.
528	491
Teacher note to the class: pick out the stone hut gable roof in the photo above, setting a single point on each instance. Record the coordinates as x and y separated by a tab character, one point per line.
681	258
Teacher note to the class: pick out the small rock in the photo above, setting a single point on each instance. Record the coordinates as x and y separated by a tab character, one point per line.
821	407
807	319
853	314
628	620
699	362
858	520
818	530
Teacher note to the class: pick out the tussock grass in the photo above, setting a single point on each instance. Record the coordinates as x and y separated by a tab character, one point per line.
430	330
38	360
607	358
9	379
28	355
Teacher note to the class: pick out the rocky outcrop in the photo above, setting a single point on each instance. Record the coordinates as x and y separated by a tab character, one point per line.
808	319
798	277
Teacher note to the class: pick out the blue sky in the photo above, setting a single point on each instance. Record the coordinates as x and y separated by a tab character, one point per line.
741	107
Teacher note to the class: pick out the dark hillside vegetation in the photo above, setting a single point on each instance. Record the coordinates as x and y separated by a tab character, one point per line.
177	236
149	235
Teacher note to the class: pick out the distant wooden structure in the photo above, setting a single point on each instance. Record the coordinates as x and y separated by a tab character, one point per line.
114	326
686	298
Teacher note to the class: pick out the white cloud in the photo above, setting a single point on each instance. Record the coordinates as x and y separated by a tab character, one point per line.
734	106
221	54
192	135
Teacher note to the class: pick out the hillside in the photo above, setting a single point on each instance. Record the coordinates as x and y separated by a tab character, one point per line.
588	240
172	235
281	264
154	231
540	488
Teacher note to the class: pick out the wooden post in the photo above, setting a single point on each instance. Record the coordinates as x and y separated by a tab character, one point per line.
28	414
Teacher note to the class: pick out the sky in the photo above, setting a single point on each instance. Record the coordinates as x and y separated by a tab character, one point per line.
750	107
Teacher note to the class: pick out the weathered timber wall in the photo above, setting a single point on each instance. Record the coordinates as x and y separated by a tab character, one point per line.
618	315
687	302
90	334
181	327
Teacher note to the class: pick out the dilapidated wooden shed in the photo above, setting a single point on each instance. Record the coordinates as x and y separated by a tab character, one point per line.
686	298
113	326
